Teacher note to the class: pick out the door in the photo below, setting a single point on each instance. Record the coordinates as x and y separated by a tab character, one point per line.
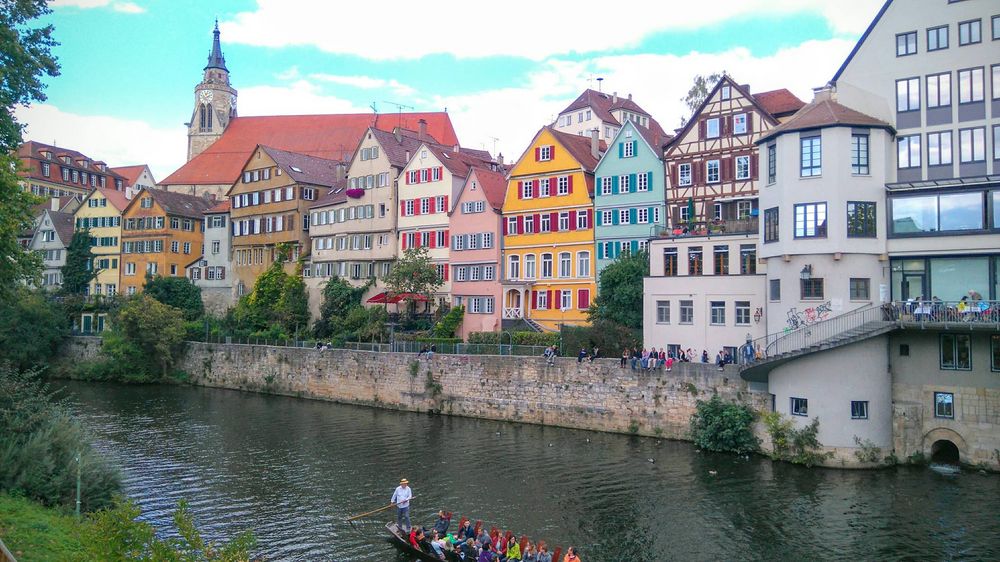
913	286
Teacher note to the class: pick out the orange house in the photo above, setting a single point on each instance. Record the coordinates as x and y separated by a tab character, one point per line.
161	233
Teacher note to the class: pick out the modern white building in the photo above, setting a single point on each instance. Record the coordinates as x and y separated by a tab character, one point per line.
211	272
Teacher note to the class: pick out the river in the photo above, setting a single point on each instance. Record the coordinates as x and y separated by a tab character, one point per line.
293	470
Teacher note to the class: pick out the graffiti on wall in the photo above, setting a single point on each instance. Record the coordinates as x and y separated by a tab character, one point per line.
798	319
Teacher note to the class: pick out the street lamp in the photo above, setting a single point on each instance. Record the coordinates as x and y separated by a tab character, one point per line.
806	273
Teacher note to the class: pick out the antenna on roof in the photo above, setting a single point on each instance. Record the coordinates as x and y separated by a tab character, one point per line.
495	139
399	109
599	80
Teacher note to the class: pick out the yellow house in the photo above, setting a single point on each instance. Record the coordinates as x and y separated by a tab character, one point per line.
548	222
101	212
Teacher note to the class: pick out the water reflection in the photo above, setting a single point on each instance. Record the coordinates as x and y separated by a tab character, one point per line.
293	470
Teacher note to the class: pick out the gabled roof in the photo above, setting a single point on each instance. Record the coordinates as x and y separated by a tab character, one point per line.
177	204
132	173
306	169
779	103
825	112
458	163
324	136
115	198
334	196
603	104
396	150
219	208
32	150
63	224
493	184
861	41
579	147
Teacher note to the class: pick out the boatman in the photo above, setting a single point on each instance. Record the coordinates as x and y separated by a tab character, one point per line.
401	499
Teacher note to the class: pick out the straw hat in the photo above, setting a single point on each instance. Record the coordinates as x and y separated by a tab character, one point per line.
404	481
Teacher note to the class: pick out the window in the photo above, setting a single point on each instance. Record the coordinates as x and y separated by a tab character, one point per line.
545	153
970	85
565	265
800	407
742	313
939	148
712	171
996	143
684	174
774	290
748	259
583	264
956	352
695	263
526	190
662	312
939	90
623	216
859	408
995	70
563	222
545	223
811	289
529	266
718	310
970	32
514	267
908	152
439	204
642	182
859	154
861	219
670	262
546	266
720	260
146	203
685	213
581	220
771	225
543	187
810	220
860	289
712	128
606	183
908	94
717	211
812	156
425	206
725	93
628	149
772	163
972	145
740	124
742	167
566	300
541	300
562	185
906	44
944	405
996	28
529	224
937	38
687	312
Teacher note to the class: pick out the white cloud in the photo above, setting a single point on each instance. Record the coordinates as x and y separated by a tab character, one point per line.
118	6
657	83
301	97
366	83
459	28
119	142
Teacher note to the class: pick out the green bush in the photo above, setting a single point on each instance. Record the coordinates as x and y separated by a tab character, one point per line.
39	444
799	446
145	339
178	292
728	428
445	328
32	329
543	339
609	337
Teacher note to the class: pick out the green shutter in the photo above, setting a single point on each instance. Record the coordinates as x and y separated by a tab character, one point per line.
649	183
635	148
635	246
614	185
632	185
614	216
600	250
633	216
621	150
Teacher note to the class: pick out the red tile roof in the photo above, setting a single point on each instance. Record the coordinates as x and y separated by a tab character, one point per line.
332	137
334	196
779	102
63	224
825	112
603	104
493	184
30	154
223	206
115	197
131	173
579	147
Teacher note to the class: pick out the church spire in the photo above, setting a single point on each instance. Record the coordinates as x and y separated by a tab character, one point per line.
215	58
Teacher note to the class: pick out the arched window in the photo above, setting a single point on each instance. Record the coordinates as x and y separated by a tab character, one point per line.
514	268
208	120
529	266
546	266
201	117
565	265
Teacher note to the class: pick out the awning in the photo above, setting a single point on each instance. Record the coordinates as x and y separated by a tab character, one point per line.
383	298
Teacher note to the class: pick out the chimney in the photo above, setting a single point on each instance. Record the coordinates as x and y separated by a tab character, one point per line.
824	93
396	132
54	203
746	87
423	129
614	97
500	159
630	97
454	148
407	155
595	144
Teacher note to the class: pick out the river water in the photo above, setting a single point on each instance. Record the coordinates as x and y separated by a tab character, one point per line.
293	470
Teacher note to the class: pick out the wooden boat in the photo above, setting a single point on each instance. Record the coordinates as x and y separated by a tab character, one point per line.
401	541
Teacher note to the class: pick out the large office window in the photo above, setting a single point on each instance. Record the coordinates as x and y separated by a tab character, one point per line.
810	220
939	90
720	259
972	145
956	352
970	85
812	156
859	154
937	38
906	44
748	259
670	262
861	219
939	148
908	94
936	213
771	225
908	151
970	32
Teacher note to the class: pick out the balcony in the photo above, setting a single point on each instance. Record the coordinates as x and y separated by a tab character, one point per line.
732	227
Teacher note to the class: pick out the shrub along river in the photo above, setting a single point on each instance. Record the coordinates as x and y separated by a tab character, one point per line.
293	470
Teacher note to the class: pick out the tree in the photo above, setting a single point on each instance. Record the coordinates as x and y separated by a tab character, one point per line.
32	329
718	426
413	274
292	311
178	292
277	306
146	337
339	297
620	298
79	270
699	91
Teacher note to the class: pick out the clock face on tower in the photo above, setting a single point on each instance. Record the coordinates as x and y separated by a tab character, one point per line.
205	96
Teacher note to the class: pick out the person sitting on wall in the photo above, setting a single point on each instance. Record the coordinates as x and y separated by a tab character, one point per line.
720	360
593	354
582	355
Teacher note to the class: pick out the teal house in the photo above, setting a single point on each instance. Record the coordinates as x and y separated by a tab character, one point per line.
629	194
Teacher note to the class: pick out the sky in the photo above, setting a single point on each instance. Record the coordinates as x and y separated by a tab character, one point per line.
502	71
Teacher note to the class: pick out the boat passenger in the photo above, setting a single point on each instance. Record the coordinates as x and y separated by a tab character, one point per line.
484	538
529	553
543	553
466	531
486	555
513	551
416	537
442	523
467	550
571	555
437	544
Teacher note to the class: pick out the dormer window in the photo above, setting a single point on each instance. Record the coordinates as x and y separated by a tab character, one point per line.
47	155
726	93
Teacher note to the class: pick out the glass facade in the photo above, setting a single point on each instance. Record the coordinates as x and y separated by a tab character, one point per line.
951	212
948	279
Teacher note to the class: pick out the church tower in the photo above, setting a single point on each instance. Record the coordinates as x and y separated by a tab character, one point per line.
214	102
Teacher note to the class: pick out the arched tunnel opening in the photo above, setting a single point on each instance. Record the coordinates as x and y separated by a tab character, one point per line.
944	452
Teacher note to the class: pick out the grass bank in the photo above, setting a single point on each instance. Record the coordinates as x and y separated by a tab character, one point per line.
34	533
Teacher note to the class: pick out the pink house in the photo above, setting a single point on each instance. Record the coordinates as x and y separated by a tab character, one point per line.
474	259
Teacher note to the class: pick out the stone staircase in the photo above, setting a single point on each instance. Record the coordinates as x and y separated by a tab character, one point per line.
858	325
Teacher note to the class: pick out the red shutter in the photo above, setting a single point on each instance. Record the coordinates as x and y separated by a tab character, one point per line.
583	299
572	220
402	240
503	223
520	190
538	223
402	208
551	304
432	242
552	152
726	169
534	300
753	162
701	129
569	181
673	175
590	218
446	268
407	180
534	188
749	123
446	207
441	172
520	224
553	222
538	153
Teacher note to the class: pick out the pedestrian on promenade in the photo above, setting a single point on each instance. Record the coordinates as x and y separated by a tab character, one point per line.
431	351
624	357
401	499
720	360
593	354
582	355
704	356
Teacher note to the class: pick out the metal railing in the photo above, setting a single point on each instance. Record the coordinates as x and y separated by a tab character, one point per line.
748	225
398	346
947	313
